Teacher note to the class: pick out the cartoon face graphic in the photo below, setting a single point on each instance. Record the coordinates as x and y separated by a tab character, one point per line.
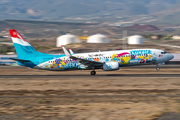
60	67
117	57
133	57
46	66
141	57
114	57
59	61
125	59
148	57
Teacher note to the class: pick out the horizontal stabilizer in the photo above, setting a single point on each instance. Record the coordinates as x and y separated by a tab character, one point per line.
19	60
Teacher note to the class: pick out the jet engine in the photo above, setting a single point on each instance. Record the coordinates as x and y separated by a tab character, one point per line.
110	66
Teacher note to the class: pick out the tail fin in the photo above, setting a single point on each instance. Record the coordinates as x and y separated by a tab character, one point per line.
23	48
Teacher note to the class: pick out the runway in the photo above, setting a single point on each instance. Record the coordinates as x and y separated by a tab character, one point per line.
126	72
86	96
90	76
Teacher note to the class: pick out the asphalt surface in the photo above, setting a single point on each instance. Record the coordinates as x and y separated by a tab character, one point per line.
90	76
85	96
98	75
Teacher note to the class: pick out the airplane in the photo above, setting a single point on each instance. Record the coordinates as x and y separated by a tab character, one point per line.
105	60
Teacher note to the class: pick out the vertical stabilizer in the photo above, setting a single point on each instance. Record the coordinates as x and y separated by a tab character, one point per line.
23	48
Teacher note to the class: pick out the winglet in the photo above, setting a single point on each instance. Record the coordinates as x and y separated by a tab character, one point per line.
65	51
71	52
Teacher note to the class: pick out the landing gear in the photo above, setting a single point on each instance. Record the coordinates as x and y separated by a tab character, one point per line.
157	68
93	72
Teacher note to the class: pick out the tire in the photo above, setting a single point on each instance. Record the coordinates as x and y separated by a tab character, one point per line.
93	72
157	69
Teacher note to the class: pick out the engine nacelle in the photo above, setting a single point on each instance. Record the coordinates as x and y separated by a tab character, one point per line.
110	66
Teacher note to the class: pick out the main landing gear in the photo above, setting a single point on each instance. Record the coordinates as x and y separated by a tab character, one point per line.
93	72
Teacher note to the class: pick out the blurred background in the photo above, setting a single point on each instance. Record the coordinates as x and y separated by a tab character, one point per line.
133	93
45	21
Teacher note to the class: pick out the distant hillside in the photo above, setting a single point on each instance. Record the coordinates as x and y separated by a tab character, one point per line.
41	29
60	9
144	27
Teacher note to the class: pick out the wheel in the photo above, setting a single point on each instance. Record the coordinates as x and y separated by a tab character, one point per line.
157	68
93	72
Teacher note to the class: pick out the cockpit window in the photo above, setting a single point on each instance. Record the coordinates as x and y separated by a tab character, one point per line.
163	52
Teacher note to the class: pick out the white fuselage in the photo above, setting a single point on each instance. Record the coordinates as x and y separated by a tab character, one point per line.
123	57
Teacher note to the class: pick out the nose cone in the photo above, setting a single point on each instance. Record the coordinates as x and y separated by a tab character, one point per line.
171	56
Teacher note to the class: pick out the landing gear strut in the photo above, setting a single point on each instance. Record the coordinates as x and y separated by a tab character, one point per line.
93	72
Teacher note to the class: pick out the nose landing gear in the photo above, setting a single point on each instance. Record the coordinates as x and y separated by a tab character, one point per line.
157	68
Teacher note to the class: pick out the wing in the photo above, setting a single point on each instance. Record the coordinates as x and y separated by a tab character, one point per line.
71	52
88	63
